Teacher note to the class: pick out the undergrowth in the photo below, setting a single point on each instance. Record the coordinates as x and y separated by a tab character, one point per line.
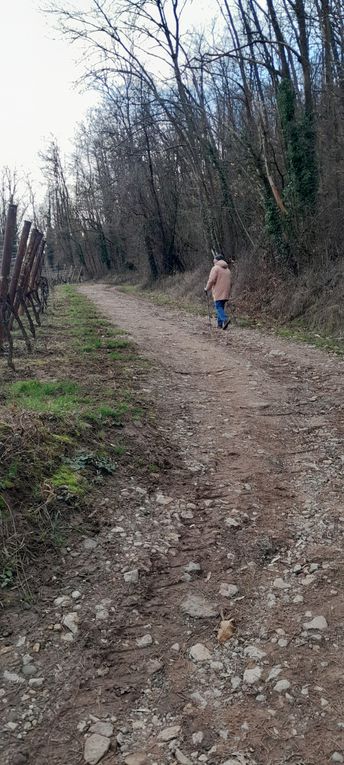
62	420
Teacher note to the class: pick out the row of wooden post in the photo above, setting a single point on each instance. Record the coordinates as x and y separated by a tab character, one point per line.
25	292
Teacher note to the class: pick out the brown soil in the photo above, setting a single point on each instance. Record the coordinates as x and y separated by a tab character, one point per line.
254	426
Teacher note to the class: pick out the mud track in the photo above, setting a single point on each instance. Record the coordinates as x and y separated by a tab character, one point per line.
255	501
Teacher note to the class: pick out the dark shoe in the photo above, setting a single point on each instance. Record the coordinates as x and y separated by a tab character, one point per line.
226	324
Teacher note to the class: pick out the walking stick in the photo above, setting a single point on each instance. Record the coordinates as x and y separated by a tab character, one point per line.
208	306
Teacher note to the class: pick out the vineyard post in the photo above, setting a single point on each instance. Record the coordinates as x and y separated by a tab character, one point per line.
9	239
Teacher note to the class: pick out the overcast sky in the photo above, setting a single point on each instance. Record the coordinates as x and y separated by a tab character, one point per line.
38	72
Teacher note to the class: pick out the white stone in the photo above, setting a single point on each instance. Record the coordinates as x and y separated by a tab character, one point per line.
197	737
71	621
162	500
62	601
298	599
12	677
11	726
95	748
282	685
175	647
103	728
144	641
192	568
131	577
168	734
181	758
307	580
337	757
228	590
137	758
280	584
199	607
232	523
252	675
90	544
254	653
36	682
318	623
76	595
200	652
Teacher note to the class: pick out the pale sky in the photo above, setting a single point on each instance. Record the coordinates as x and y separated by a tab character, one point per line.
38	71
36	85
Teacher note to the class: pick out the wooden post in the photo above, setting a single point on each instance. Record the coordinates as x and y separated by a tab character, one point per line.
19	259
10	231
36	264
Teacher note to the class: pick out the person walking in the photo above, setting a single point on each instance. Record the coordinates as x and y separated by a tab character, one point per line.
220	283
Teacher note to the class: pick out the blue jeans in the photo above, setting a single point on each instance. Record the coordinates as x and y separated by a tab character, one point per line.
220	312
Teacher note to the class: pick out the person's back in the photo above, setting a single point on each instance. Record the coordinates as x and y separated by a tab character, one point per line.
220	282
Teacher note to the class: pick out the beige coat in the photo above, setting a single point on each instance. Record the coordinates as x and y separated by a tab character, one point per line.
220	281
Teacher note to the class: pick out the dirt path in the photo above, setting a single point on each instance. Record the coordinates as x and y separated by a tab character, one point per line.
251	523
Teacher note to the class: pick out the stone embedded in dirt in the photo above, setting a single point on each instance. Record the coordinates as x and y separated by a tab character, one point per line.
337	757
187	515
71	621
318	623
76	595
102	728
67	637
137	758
90	543
131	577
12	677
29	670
253	652
198	606
307	580
162	500
36	682
197	737
175	647
102	612
192	568
274	672
144	641
168	734
298	599
62	601
280	584
252	675
154	666
282	685
271	600
181	758
12	726
228	590
232	523
95	748
200	652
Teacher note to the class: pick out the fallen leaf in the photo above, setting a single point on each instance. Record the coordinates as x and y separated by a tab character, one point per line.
226	630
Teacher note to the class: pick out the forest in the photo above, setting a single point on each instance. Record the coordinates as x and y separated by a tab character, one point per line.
228	139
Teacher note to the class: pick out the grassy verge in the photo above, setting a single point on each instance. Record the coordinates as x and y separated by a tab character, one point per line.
296	330
64	416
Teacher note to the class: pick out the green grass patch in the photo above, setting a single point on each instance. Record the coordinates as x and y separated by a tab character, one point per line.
118	343
56	397
68	480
